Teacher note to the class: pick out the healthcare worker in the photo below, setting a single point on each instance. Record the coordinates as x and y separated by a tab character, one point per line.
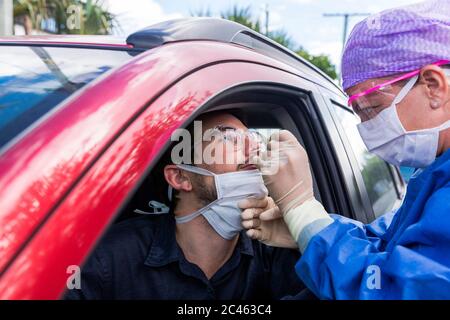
396	70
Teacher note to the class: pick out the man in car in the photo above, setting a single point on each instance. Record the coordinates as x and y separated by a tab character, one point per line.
197	250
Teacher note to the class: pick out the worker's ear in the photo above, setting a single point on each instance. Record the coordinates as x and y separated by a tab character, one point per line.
177	178
436	85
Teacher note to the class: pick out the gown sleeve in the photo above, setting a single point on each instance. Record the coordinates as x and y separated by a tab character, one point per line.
349	260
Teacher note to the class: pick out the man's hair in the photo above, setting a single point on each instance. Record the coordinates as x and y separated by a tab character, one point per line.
158	178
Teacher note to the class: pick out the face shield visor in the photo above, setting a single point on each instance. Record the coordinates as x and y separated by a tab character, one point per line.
369	103
227	145
384	134
238	139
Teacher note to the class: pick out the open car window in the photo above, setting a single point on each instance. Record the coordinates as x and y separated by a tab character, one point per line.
266	119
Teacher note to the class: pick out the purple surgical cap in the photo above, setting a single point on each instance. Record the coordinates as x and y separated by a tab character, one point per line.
396	41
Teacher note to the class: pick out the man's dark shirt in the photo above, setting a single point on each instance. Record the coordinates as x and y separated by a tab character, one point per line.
139	258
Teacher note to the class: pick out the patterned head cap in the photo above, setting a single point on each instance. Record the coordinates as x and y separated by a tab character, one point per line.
396	41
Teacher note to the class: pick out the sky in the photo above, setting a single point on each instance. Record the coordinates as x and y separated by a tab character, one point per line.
303	20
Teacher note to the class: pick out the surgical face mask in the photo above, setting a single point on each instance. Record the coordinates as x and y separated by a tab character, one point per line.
385	136
223	214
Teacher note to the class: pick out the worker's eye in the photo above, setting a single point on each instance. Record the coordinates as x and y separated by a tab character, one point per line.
373	107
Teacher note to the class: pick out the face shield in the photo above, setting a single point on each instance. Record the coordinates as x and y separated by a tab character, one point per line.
231	139
369	103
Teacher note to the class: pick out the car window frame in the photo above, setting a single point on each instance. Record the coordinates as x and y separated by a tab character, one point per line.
334	102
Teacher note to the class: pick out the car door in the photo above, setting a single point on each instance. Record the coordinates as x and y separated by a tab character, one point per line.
63	240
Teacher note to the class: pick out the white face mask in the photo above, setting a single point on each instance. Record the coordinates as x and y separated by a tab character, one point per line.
223	214
385	136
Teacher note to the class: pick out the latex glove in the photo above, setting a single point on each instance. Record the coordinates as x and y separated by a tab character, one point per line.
264	222
286	171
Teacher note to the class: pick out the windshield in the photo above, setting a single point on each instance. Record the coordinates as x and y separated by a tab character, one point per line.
33	80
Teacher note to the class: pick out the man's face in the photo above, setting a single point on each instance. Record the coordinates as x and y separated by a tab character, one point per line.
227	148
228	156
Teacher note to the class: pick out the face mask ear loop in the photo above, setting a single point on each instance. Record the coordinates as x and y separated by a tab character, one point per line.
447	72
190	169
200	171
194	169
169	193
204	172
405	90
190	217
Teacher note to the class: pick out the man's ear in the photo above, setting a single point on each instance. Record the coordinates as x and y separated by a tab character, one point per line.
177	178
437	86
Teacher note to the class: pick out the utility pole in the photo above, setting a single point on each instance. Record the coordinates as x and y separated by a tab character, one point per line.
344	36
346	18
6	17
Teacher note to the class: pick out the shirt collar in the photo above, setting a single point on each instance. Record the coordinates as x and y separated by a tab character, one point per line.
245	244
164	248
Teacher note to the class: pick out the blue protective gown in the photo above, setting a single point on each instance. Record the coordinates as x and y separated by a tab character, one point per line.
406	257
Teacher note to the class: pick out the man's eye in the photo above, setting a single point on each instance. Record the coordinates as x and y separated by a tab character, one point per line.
229	137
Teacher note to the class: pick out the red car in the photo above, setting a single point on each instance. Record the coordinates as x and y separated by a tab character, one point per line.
84	119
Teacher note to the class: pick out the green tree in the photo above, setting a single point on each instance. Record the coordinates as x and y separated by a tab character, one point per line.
93	19
204	12
321	61
282	37
243	15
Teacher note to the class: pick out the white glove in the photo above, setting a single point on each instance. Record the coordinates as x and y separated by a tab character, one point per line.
287	175
286	171
264	222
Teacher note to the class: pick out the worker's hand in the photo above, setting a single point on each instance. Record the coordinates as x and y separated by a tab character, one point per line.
286	171
264	222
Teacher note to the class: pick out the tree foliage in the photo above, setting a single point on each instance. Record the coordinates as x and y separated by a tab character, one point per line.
244	16
93	18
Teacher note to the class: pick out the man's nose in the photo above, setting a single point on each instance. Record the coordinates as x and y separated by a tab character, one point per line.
247	147
252	146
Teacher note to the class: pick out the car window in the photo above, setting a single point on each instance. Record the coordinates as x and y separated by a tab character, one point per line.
375	172
33	80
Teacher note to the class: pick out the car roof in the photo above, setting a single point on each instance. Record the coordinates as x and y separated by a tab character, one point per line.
186	29
68	40
222	30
